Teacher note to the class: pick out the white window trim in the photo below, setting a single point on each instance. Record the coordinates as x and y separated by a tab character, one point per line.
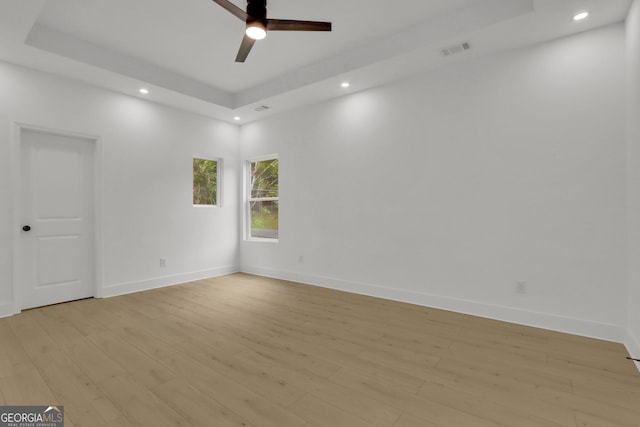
248	199
219	180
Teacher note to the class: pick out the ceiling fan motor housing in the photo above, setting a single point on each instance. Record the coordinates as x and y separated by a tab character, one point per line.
257	9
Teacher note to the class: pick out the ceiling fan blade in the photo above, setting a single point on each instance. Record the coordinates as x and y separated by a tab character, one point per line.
233	9
293	25
245	48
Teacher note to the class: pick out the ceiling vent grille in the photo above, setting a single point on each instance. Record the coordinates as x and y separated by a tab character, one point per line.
457	48
261	108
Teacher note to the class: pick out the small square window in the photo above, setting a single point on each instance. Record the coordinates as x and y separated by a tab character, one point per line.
206	180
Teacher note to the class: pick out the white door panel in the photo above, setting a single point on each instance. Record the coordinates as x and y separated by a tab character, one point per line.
57	205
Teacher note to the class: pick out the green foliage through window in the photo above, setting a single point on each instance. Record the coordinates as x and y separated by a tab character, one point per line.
205	182
263	199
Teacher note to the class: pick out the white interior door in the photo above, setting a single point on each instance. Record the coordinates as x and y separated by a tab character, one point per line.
57	235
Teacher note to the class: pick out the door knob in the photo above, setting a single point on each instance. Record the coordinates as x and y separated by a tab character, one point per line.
26	228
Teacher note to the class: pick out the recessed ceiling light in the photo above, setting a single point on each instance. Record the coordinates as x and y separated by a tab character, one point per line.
236	118
580	16
345	84
144	90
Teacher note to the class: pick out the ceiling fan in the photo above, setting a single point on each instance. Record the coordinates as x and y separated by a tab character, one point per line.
258	24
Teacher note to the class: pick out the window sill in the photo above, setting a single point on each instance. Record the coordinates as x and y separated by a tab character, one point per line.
259	240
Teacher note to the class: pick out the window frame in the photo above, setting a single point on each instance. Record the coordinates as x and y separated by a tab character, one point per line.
248	199
219	177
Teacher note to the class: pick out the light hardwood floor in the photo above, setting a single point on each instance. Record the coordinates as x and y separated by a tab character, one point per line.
247	351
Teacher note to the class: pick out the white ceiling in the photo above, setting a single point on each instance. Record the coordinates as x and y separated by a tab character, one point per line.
184	50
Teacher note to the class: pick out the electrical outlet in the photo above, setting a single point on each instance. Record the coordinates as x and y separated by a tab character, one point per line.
163	262
521	287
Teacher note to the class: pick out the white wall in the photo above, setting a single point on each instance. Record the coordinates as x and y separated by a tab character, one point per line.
146	160
633	165
448	188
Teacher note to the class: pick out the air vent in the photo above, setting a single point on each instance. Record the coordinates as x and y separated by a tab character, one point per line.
457	48
261	108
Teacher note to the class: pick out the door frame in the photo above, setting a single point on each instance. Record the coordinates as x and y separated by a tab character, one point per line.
16	203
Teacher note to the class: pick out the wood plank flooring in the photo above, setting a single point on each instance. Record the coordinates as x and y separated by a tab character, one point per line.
242	350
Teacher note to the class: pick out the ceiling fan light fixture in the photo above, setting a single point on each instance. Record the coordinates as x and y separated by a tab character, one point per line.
256	30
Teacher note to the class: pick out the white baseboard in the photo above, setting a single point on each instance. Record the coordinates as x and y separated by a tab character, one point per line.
632	342
161	282
549	321
7	309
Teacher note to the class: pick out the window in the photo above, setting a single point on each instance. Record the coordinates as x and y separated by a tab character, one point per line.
262	199
206	174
